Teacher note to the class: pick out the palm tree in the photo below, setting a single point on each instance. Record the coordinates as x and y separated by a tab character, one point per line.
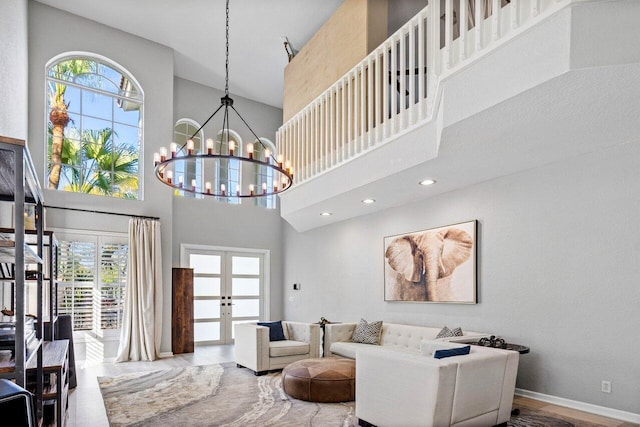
106	169
58	116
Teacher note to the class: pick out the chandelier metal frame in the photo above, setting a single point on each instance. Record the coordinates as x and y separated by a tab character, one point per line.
164	161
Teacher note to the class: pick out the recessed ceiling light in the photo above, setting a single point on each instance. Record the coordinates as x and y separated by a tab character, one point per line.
368	201
426	182
326	214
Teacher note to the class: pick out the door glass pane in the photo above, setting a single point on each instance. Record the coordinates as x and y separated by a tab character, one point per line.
233	330
246	308
207	264
245	265
206	331
245	287
206	286
206	309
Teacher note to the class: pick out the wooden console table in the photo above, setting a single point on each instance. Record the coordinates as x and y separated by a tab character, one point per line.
55	366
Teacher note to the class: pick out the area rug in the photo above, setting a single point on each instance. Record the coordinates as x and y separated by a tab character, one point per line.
224	395
213	395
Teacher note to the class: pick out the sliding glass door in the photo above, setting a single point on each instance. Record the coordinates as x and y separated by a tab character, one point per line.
228	289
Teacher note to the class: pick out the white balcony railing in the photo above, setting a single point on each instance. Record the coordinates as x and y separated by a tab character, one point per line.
397	87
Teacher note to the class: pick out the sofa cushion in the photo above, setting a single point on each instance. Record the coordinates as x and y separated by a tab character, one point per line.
287	348
276	333
349	349
450	352
449	333
367	333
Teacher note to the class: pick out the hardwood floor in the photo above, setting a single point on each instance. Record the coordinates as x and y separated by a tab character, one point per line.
525	402
87	410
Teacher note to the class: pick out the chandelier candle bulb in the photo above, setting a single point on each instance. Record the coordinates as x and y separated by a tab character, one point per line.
267	155
207	187
156	158
180	181
163	154
223	189
193	185
209	146
280	160
232	147
264	188
190	146
173	147
169	177
237	189
251	188
250	150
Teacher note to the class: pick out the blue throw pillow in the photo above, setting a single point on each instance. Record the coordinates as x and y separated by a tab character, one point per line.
441	354
275	330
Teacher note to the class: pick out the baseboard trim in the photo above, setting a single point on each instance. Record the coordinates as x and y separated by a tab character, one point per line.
581	406
165	354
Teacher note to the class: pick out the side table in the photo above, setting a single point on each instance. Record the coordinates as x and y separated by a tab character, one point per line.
55	366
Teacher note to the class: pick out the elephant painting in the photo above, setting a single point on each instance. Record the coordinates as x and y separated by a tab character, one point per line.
436	265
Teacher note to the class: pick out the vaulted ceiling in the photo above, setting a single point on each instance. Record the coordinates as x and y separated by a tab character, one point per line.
195	29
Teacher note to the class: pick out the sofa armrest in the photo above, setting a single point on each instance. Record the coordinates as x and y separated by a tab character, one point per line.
389	383
485	384
305	332
337	332
252	346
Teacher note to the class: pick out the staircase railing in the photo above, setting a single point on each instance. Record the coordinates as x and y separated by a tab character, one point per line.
396	87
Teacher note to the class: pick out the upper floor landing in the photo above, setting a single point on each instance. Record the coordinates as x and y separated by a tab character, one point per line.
502	88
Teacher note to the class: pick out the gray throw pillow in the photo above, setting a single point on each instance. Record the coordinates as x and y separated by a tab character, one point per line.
449	333
367	333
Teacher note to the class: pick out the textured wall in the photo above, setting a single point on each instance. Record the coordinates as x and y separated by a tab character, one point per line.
557	270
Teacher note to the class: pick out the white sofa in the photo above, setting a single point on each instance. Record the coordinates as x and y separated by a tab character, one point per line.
395	388
395	336
254	350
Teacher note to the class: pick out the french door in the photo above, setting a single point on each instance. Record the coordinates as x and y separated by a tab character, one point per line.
228	289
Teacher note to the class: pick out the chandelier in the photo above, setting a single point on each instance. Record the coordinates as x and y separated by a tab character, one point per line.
271	175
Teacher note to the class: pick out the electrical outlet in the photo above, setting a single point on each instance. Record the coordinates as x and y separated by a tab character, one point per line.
296	286
606	386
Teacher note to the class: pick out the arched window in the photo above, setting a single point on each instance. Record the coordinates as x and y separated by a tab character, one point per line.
182	131
264	175
94	123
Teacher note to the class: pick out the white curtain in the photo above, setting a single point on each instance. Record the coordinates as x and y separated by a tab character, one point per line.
142	320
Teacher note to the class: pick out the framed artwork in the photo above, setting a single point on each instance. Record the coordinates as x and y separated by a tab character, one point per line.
434	265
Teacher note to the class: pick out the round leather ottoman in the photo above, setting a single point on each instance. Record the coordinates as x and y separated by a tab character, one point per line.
326	380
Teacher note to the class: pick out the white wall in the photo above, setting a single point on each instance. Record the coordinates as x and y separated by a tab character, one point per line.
557	271
52	32
13	69
207	222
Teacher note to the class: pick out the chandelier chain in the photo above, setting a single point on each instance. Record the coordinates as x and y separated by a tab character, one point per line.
226	72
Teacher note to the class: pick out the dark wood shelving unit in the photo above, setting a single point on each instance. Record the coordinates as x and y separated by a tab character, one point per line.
19	185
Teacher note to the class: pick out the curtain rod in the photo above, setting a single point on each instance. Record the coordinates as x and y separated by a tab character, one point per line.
101	212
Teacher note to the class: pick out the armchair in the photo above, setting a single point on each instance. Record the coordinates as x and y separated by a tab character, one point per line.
254	350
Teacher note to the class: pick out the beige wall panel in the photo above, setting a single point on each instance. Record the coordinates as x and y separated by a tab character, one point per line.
342	42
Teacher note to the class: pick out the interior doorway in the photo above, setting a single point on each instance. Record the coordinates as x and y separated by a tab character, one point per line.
229	288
